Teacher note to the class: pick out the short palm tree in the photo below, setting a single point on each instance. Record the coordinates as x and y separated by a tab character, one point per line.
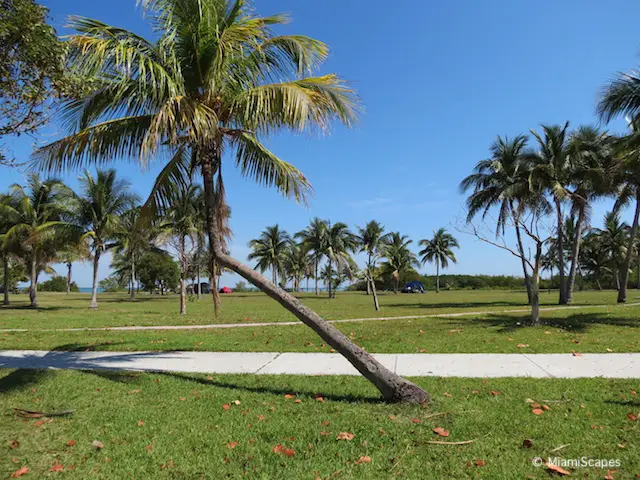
296	264
439	250
33	214
371	241
313	238
502	181
214	80
614	240
99	206
270	250
181	222
399	259
340	243
74	252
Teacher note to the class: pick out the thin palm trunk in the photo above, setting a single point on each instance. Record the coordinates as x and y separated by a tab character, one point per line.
562	300
535	287
525	270
198	269
437	276
94	290
638	284
6	279
183	274
316	277
391	386
375	294
369	267
69	266
624	272
132	295
33	286
329	279
575	253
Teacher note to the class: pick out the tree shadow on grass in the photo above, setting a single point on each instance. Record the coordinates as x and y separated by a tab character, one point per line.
272	390
34	309
22	378
579	322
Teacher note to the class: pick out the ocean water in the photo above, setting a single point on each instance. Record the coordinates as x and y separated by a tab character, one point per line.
89	289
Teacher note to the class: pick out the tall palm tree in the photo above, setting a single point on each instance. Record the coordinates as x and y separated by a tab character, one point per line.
372	240
34	214
7	217
100	205
270	250
340	243
399	258
181	222
439	249
215	79
551	172
595	258
502	181
313	238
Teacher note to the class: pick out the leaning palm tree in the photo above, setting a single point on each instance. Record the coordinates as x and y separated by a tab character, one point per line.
33	215
270	250
313	238
215	80
399	259
372	240
502	181
439	250
99	207
340	243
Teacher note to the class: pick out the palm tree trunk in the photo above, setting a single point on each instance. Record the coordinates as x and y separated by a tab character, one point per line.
94	290
624	273
132	296
183	274
369	267
69	266
562	300
525	271
33	286
316	277
393	387
5	261
616	276
638	284
329	279
575	253
437	276
375	294
198	274
535	287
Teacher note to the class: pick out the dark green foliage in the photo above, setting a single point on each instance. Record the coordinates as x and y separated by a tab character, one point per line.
111	284
158	271
57	284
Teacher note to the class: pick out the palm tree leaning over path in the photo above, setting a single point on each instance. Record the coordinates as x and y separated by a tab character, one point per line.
340	243
103	200
399	258
214	81
439	250
270	250
502	181
313	238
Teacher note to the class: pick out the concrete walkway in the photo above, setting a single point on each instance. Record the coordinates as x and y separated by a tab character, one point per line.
280	324
588	365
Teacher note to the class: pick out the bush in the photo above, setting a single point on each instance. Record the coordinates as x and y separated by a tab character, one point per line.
241	287
111	285
57	284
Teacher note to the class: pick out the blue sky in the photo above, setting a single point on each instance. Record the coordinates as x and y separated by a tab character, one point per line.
439	80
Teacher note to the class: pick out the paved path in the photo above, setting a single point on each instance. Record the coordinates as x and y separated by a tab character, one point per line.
608	365
279	324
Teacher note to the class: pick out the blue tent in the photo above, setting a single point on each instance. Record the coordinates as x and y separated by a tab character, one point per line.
413	287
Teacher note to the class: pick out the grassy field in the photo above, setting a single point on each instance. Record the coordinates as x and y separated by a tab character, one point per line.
177	426
609	328
69	311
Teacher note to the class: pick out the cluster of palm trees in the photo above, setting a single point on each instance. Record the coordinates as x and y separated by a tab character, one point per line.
556	180
45	222
323	251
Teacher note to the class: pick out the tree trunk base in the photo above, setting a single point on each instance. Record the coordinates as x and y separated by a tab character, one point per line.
408	393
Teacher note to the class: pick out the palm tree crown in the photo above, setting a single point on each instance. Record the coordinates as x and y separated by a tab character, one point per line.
270	250
439	250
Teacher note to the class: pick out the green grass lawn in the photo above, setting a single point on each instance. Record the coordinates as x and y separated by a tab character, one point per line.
69	311
592	329
176	426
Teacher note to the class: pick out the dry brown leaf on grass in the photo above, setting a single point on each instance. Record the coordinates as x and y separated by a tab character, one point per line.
633	417
289	396
526	443
576	354
479	463
226	406
537	411
57	468
140	423
71	443
557	469
440	442
97	444
363	459
13	444
34	414
447	394
232	444
345	436
441	432
133	392
288	452
20	472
